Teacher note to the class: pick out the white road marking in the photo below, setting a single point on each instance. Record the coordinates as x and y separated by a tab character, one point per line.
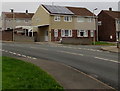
14	53
71	53
23	56
28	57
39	48
107	60
19	54
10	52
34	58
6	51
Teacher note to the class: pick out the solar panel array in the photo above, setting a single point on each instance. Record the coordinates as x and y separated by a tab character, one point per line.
58	10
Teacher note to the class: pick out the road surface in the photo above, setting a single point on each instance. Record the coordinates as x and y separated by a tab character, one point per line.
100	64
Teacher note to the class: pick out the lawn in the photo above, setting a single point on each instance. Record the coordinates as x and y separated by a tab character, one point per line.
103	43
18	74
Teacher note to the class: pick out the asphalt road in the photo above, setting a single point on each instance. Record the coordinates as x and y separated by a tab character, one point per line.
100	64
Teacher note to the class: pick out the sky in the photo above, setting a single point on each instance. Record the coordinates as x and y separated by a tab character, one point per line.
32	5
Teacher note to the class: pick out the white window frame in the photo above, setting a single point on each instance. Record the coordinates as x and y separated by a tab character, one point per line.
69	18
80	19
92	33
56	33
89	19
85	33
57	18
63	33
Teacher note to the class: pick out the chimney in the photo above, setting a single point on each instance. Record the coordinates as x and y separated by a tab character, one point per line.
11	10
110	9
26	11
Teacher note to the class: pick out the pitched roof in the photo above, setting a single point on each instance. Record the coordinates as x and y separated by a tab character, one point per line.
80	11
57	10
18	15
113	14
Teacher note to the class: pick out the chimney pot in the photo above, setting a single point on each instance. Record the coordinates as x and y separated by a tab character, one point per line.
110	9
12	10
26	11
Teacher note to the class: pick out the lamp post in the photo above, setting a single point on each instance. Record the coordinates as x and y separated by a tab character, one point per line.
95	25
12	11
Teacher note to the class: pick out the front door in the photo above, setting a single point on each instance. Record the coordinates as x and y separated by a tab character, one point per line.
46	35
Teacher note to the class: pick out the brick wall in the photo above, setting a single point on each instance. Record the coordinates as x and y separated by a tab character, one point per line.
23	38
6	35
74	39
85	41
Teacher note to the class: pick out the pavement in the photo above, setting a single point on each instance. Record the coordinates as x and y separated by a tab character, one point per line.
111	49
67	76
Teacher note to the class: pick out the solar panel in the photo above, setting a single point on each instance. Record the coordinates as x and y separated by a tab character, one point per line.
58	9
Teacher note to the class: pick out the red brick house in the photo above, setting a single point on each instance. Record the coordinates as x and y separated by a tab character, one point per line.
109	29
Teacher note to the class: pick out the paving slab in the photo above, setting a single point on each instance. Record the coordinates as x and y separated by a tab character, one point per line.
111	49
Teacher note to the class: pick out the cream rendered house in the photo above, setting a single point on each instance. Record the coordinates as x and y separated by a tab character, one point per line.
53	23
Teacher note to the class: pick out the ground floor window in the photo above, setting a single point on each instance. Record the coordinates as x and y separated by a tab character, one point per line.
55	33
118	36
82	33
91	33
66	33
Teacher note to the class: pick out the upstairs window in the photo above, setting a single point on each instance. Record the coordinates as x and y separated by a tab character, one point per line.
56	18
66	33
68	18
89	19
82	33
80	19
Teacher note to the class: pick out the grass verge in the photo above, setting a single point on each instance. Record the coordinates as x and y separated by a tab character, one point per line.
17	74
103	43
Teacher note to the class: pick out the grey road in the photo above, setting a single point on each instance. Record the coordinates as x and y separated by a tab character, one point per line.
100	64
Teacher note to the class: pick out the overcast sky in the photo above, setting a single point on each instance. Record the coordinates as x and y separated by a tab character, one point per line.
32	5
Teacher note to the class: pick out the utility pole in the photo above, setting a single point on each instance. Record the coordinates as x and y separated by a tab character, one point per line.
12	11
95	25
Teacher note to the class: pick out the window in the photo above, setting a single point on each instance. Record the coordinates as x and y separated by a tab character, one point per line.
26	21
118	21
56	18
68	18
80	19
99	23
89	19
92	33
55	33
17	20
82	33
85	33
66	33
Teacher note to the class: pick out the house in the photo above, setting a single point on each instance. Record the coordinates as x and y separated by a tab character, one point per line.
0	24
109	28
69	24
16	20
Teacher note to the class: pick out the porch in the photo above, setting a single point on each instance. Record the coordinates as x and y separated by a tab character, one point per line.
42	33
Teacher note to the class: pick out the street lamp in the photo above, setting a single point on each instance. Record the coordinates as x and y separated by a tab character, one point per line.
95	24
12	11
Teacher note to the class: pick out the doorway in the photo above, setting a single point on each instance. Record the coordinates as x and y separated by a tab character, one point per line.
46	35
